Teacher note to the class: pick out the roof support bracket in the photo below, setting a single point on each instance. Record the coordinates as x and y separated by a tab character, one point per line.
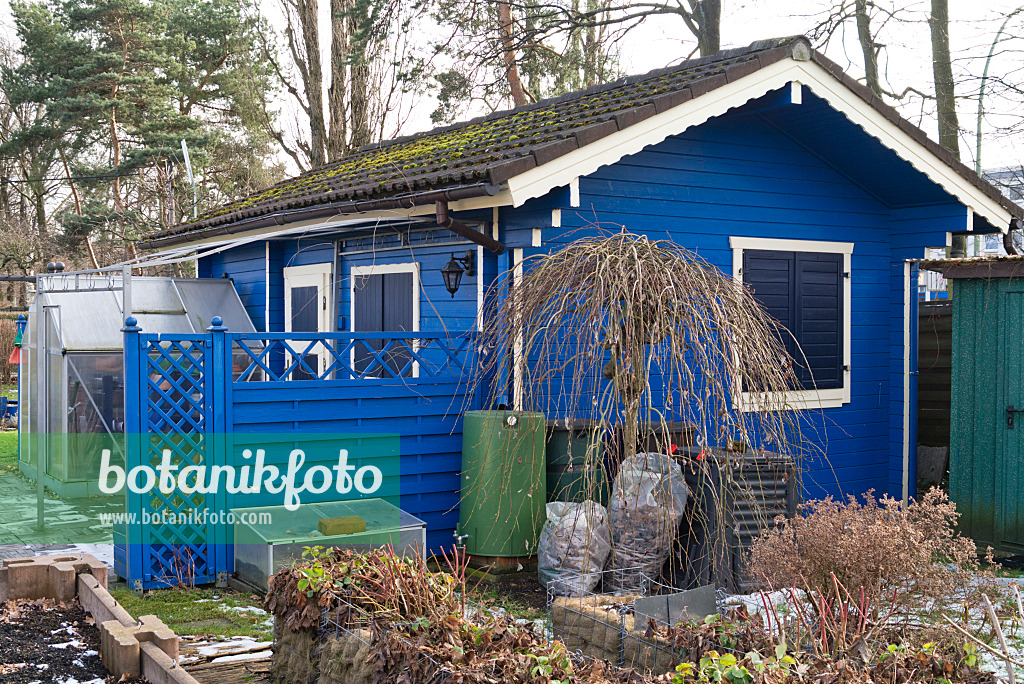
459	228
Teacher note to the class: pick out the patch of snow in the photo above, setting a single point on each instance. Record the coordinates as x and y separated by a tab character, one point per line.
243	609
72	680
259	655
74	643
212	648
42	666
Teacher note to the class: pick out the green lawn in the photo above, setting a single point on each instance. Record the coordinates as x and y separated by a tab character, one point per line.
9	391
213	612
8	449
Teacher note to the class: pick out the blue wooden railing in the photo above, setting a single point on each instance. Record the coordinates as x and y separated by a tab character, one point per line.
277	357
180	392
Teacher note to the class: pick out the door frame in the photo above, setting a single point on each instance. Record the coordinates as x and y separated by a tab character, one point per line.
320	276
1006	527
412	267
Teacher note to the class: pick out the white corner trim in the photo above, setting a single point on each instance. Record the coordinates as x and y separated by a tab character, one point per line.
574	192
800	399
479	287
561	171
266	286
796	92
906	380
556	218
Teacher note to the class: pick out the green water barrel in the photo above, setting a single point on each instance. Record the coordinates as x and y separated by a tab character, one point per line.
503	484
574	453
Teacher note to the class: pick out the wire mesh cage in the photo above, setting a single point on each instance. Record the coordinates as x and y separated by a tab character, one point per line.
606	625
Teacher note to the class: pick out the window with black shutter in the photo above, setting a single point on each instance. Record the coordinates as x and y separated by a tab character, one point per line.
804	292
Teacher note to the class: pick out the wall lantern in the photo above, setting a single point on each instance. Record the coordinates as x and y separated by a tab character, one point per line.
456	268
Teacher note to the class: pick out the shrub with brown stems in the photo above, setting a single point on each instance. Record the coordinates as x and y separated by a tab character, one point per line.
876	566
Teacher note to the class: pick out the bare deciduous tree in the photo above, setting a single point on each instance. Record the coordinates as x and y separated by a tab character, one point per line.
942	70
372	64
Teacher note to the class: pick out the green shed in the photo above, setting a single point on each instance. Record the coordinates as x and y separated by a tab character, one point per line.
986	440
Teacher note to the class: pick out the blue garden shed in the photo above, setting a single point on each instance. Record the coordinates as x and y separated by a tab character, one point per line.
768	160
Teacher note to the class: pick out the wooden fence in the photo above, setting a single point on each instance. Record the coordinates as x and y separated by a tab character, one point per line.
934	362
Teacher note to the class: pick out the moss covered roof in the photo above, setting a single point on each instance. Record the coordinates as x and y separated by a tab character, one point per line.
487	151
493	148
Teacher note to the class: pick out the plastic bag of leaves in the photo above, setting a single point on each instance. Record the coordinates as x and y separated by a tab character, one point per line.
648	498
573	547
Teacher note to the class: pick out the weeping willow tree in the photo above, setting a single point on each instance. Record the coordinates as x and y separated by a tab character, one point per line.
637	334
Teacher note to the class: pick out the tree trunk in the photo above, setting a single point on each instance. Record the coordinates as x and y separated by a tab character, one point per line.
359	100
945	96
115	160
314	79
337	141
591	49
942	70
708	17
867	46
506	27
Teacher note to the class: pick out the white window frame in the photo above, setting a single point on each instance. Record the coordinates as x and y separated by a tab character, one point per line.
379	269
801	399
321	276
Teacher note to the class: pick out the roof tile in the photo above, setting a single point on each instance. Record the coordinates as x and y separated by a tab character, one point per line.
493	148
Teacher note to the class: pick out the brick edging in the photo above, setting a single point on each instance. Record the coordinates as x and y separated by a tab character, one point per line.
144	647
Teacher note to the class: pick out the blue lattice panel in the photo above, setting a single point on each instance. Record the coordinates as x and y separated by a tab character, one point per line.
171	537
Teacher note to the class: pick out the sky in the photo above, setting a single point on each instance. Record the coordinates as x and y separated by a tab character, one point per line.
662	41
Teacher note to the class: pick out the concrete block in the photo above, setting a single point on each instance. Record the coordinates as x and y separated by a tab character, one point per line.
121	645
98	602
159	668
47	576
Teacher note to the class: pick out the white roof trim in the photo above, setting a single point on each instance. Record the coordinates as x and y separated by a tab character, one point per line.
502	199
539	180
203	248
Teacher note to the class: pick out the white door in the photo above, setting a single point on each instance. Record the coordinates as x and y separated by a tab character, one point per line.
308	308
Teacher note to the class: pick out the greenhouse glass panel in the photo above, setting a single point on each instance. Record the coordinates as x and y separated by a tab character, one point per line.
89	320
95	412
204	299
72	391
54	370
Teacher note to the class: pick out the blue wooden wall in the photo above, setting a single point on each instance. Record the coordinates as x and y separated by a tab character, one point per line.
740	175
426	416
246	266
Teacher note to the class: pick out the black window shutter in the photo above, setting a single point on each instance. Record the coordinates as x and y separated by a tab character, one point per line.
818	323
804	292
770	275
383	303
368	292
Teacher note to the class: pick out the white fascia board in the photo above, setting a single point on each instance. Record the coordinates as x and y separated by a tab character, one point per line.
539	180
737	242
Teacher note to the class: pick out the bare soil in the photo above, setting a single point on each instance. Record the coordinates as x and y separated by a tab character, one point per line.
43	641
516	590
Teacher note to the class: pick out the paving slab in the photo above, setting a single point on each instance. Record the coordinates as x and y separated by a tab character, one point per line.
70	524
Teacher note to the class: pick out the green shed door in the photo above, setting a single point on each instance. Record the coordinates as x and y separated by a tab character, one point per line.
1009	489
